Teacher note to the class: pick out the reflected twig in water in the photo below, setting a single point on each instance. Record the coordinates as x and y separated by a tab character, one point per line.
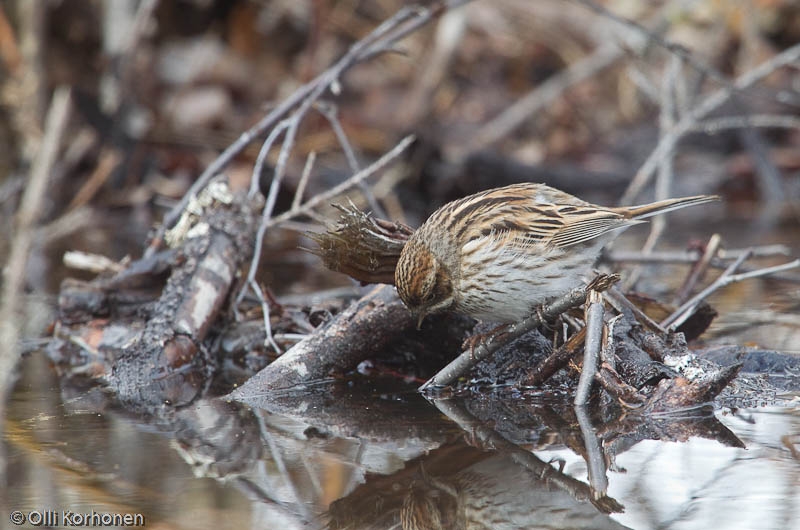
595	459
280	464
489	438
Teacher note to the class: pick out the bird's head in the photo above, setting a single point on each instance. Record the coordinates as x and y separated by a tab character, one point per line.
423	282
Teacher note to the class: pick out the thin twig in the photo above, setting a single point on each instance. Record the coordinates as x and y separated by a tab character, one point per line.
301	186
557	360
292	125
539	98
769	177
689	120
461	364
678	51
15	268
330	111
591	350
269	340
726	278
617	299
766	271
402	23
337	190
261	159
666	121
308	206
692	256
612	383
106	164
726	123
680	315
699	270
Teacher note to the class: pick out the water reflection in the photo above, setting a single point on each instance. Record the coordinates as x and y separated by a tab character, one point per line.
359	456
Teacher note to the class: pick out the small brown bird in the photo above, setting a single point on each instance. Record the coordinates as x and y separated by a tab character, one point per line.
499	254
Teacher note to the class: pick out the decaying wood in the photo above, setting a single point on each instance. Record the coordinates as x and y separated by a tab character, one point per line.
170	350
541	372
163	358
612	383
681	393
360	331
117	297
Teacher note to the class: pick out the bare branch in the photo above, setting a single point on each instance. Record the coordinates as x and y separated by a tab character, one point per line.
269	340
30	209
692	256
591	351
728	277
330	112
700	268
540	97
700	111
405	21
678	51
726	123
301	186
365	173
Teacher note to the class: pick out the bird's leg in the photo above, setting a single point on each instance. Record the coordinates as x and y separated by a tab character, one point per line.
499	333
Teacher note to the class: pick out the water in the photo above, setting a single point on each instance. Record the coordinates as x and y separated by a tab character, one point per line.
352	456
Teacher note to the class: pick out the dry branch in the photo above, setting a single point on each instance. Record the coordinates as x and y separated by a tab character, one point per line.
726	278
591	350
710	103
381	39
15	269
362	330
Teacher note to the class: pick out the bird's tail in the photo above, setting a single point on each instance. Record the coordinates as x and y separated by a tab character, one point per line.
648	210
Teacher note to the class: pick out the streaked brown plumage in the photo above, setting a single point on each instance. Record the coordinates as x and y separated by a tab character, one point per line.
498	254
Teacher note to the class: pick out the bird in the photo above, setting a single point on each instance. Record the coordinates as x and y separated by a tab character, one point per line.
499	254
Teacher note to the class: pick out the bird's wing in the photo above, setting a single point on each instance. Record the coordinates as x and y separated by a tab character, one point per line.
523	226
589	224
520	216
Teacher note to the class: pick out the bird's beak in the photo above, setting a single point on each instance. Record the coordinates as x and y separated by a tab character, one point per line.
420	318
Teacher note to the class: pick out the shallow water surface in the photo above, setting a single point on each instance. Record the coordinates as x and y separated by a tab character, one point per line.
351	456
